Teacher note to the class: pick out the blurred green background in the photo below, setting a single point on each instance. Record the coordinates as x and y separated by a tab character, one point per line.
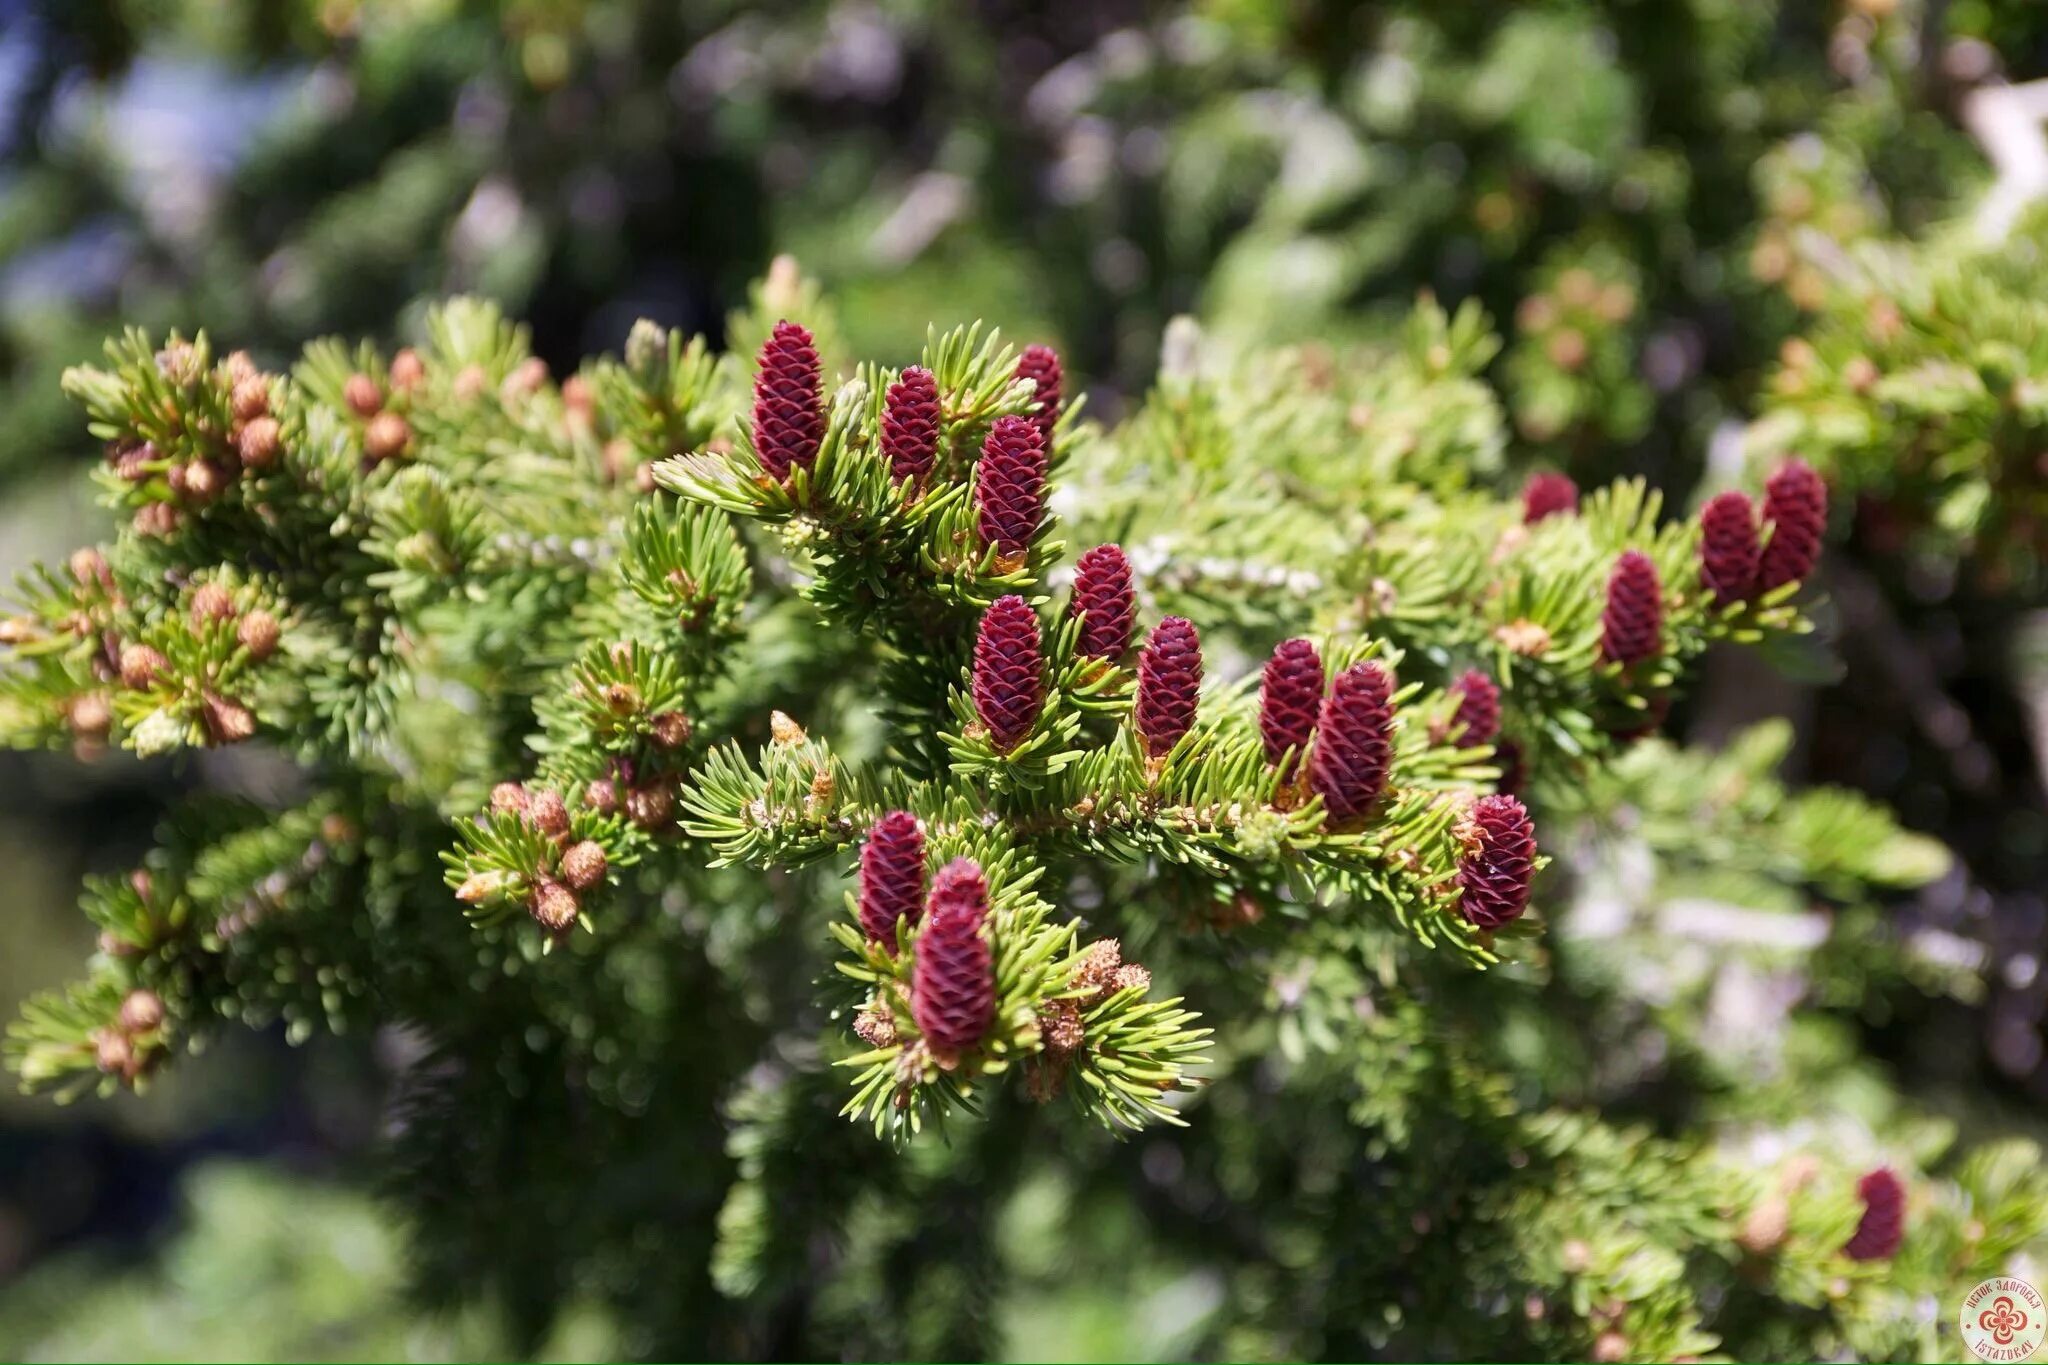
1640	191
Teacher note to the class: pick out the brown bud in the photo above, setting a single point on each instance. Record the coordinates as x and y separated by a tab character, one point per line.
142	1012
258	634
471	383
602	796
671	729
89	567
783	730
479	887
1610	1348
510	798
203	480
90	715
621	699
386	437
178	362
525	380
1763	1231
251	398
141	665
133	466
576	395
362	395
546	813
226	720
583	865
1860	374
211	602
1567	348
553	907
113	1053
650	807
336	828
158	519
259	443
238	366
407	370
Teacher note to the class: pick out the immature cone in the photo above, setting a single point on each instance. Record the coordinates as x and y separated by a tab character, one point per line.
90	715
407	370
1102	590
1548	494
386	437
1478	717
1041	365
583	865
1354	741
1498	862
511	798
548	814
953	984
1008	684
1631	629
1169	679
251	398
1009	488
891	876
1796	505
362	395
789	406
258	444
225	720
259	633
142	1011
553	907
1728	547
1883	1225
1290	692
910	425
141	665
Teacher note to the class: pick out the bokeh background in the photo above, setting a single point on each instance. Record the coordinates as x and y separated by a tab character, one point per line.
1645	194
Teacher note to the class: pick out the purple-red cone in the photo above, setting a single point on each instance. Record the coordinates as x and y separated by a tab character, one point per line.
1631	629
1009	488
910	425
1041	365
891	876
1548	494
1478	716
1796	505
1169	681
1883	1225
1102	590
1009	682
1498	862
789	404
1354	741
953	983
1728	547
1290	692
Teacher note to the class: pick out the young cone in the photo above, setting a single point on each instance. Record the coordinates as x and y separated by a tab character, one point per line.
1009	486
1169	683
1498	862
1290	692
910	425
1796	505
1102	590
1883	1225
891	876
1041	365
1009	669
1477	719
1354	742
789	406
953	987
1631	629
1728	547
1548	495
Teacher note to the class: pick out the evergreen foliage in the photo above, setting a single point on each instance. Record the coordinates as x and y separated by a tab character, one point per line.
601	691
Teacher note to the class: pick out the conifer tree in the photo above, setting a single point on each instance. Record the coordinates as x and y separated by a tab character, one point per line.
801	802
